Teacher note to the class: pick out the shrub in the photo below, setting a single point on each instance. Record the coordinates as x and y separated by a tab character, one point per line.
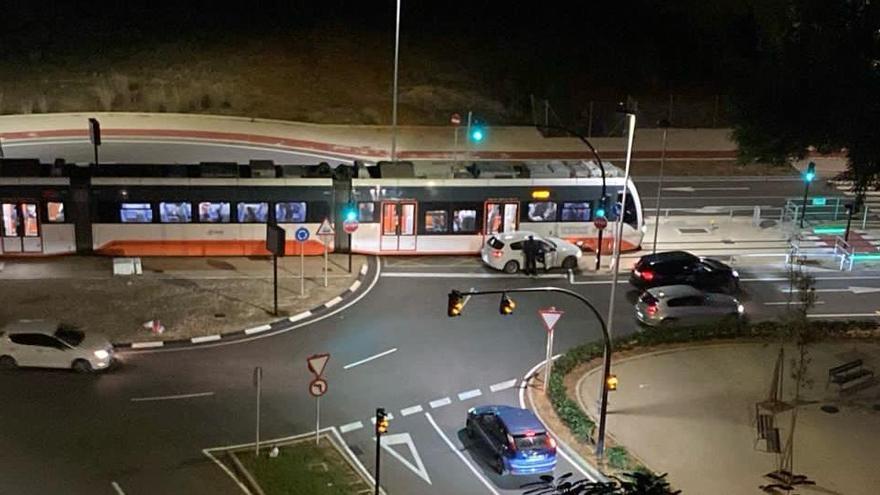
618	457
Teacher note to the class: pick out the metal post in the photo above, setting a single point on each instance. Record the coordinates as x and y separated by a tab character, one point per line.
317	420
455	144
599	250
394	90
96	153
275	282
548	363
1	148
326	259
378	456
546	113
302	269
349	253
258	379
849	215
865	216
804	211
467	134
665	125
836	207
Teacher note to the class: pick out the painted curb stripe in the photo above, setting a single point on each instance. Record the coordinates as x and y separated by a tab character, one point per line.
261	328
304	314
147	345
206	338
333	302
364	269
355	285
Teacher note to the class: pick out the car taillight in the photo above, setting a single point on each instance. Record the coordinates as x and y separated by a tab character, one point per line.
497	253
647	275
551	442
652	309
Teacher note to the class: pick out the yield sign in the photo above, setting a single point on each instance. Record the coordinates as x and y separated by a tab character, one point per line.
317	362
550	316
416	466
325	228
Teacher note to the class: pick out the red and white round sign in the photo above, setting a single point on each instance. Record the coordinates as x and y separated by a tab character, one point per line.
455	119
600	223
318	387
349	226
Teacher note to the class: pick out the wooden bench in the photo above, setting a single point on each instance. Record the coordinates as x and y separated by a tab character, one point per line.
848	373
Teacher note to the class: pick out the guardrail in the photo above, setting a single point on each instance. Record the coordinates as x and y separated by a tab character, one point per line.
834	210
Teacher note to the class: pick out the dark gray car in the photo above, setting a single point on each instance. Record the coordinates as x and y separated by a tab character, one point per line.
685	305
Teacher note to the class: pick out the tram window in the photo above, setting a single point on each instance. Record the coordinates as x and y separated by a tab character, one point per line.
366	212
493	218
175	212
464	220
214	212
290	212
629	215
55	211
542	211
576	212
136	213
253	212
31	226
10	219
435	222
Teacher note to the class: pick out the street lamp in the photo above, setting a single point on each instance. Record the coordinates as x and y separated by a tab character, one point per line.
601	211
663	124
456	304
809	175
394	89
850	208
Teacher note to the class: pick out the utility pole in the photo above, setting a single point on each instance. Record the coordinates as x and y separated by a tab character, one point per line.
394	90
381	429
664	124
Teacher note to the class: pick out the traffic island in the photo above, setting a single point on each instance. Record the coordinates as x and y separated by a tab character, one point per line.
687	401
174	299
296	465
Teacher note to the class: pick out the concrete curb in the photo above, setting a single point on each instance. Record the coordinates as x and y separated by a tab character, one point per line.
369	267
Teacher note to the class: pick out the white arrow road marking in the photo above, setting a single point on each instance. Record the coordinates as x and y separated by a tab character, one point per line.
460	455
405	439
694	189
854	290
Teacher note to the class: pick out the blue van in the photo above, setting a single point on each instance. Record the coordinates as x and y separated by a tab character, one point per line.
515	439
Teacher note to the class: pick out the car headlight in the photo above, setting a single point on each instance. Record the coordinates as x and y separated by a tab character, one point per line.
578	254
740	308
102	354
736	274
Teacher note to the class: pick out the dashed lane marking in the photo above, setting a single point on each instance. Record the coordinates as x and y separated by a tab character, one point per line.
470	394
503	385
117	488
411	410
440	402
357	425
171	397
367	360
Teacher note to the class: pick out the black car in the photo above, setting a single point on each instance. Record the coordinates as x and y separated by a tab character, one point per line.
680	267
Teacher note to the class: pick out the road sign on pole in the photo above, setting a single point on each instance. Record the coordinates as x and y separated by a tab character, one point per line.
550	317
317	363
302	235
318	387
258	383
350	226
325	230
600	222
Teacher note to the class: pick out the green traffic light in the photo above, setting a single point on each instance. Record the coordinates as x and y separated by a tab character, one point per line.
477	135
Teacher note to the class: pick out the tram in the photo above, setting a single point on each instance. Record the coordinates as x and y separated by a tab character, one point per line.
221	209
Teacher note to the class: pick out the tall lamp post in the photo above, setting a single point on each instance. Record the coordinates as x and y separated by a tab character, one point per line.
809	175
394	89
456	305
663	124
595	153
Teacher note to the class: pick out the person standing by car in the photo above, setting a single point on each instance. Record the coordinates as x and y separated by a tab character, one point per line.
530	251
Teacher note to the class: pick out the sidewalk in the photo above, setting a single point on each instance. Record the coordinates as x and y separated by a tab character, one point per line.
191	297
690	412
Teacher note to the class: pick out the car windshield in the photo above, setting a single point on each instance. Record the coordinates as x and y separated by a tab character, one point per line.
529	442
70	336
647	298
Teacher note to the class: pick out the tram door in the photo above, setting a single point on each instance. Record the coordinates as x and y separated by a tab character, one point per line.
501	216
20	228
398	226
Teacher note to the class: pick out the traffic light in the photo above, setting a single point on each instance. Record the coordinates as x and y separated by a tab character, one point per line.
350	213
507	305
810	174
456	304
600	210
478	132
381	421
612	382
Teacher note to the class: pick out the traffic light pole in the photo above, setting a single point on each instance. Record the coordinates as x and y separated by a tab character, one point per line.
606	366
804	207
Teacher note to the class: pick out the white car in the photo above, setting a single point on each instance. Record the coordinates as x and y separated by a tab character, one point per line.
47	344
504	251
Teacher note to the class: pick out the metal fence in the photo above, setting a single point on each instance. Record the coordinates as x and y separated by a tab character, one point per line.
600	118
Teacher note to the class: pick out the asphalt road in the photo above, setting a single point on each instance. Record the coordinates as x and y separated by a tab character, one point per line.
92	433
69	434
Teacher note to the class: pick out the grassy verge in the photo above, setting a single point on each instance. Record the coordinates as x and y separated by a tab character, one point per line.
304	468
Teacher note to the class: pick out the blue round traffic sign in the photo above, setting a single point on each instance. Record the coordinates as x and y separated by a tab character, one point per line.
302	234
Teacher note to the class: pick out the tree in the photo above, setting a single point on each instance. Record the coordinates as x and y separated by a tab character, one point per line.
634	483
812	81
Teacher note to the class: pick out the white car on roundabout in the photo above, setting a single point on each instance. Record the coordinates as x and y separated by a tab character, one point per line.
49	344
504	251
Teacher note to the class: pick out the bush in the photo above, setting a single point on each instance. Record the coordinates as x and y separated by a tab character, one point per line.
618	457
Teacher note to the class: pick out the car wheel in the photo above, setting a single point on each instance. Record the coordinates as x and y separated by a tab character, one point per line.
81	366
469	429
570	263
7	363
511	267
669	322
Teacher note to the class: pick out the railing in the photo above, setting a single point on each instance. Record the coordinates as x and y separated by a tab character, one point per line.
846	252
834	210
